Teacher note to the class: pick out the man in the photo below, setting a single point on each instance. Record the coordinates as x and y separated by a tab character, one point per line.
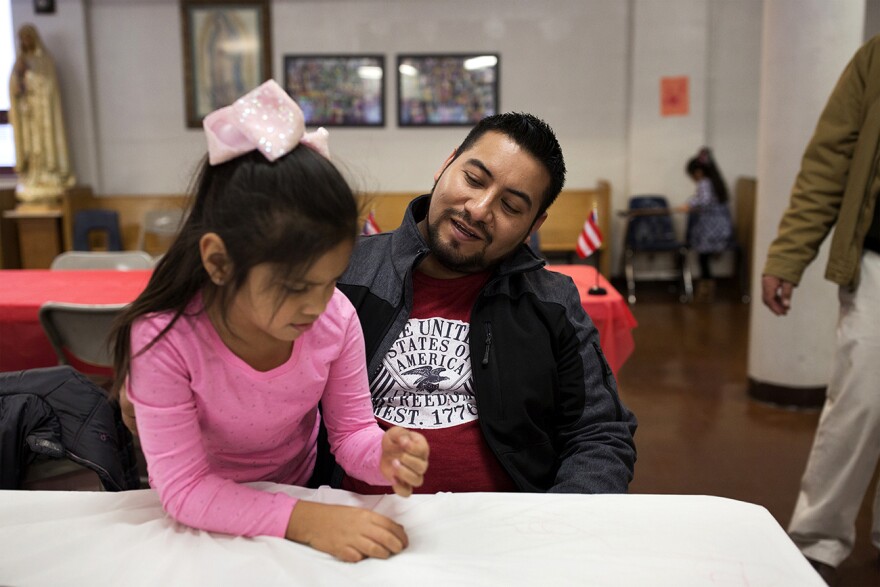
472	342
838	185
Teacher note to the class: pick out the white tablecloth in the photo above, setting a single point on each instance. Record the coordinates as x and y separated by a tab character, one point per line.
82	538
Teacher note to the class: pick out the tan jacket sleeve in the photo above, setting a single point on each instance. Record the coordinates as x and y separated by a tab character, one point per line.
820	184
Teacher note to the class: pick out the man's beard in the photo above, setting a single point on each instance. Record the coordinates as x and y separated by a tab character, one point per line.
449	255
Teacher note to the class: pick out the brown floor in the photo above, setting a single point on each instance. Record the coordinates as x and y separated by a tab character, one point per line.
699	433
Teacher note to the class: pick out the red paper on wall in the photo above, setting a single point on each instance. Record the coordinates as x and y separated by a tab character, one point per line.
674	96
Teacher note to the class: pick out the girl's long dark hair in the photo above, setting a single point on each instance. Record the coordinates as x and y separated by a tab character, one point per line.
706	163
287	213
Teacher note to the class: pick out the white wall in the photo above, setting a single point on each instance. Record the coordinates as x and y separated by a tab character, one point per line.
733	83
591	68
144	145
659	146
562	62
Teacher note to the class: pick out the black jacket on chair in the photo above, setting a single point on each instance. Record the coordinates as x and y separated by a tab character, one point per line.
59	413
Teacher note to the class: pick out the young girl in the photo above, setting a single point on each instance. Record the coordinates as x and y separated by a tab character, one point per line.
710	228
241	332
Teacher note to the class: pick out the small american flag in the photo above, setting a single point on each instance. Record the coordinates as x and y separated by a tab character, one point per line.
590	238
370	226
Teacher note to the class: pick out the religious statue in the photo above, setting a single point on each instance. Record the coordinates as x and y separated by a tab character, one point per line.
41	155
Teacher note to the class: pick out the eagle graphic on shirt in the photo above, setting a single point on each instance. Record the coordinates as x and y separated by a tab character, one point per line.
425	378
429	377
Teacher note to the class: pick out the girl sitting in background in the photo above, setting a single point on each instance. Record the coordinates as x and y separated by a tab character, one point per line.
241	332
710	228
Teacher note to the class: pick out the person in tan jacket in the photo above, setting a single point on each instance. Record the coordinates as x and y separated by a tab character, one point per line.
837	187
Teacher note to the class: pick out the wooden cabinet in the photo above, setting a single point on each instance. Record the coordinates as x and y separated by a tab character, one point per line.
9	255
39	234
32	235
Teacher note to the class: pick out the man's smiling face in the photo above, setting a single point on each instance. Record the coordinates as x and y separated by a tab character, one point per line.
483	206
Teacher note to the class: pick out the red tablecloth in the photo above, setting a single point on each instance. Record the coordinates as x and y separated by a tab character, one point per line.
610	313
24	346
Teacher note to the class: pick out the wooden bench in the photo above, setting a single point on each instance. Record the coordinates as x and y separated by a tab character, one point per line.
558	235
566	217
131	209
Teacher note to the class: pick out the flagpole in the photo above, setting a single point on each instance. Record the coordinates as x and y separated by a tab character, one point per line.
596	290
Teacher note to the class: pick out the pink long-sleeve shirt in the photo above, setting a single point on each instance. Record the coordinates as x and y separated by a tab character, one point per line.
207	421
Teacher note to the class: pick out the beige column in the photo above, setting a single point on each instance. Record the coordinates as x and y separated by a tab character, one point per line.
806	45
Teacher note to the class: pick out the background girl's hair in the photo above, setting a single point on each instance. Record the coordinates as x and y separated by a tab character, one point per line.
705	162
287	213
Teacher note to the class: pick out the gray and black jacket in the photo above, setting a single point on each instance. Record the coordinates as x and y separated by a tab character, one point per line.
547	400
56	412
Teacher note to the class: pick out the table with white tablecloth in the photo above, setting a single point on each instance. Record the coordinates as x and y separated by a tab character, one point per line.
94	538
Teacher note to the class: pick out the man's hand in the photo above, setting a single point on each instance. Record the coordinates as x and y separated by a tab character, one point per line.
350	534
776	294
404	459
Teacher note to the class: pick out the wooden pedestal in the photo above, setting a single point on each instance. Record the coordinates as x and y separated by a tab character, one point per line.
39	235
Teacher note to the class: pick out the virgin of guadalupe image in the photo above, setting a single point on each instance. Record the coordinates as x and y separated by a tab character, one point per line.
231	58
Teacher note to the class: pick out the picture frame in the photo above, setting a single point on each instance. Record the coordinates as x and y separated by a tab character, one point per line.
227	52
337	90
44	6
456	89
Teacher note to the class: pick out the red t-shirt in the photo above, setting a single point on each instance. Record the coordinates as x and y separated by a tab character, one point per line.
425	384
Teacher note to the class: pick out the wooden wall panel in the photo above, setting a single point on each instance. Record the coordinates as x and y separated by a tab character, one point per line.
558	235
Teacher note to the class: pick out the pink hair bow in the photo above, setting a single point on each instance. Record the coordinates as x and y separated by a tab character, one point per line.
265	119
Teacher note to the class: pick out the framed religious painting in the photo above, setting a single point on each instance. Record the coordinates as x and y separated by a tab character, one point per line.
227	52
337	90
446	90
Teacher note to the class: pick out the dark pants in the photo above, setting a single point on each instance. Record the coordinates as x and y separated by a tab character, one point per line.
705	269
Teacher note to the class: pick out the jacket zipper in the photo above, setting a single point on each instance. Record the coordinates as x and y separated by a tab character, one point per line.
405	290
488	343
485	362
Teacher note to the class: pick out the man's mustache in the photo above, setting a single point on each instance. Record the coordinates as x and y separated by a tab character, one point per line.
466	218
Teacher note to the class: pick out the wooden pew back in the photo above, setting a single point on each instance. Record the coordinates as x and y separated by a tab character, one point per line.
558	235
566	217
131	209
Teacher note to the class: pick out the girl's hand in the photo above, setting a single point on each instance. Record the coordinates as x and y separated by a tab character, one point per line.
350	534
404	459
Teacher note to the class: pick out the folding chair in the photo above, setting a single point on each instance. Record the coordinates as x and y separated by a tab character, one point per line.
119	260
80	331
86	222
79	335
161	226
649	229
